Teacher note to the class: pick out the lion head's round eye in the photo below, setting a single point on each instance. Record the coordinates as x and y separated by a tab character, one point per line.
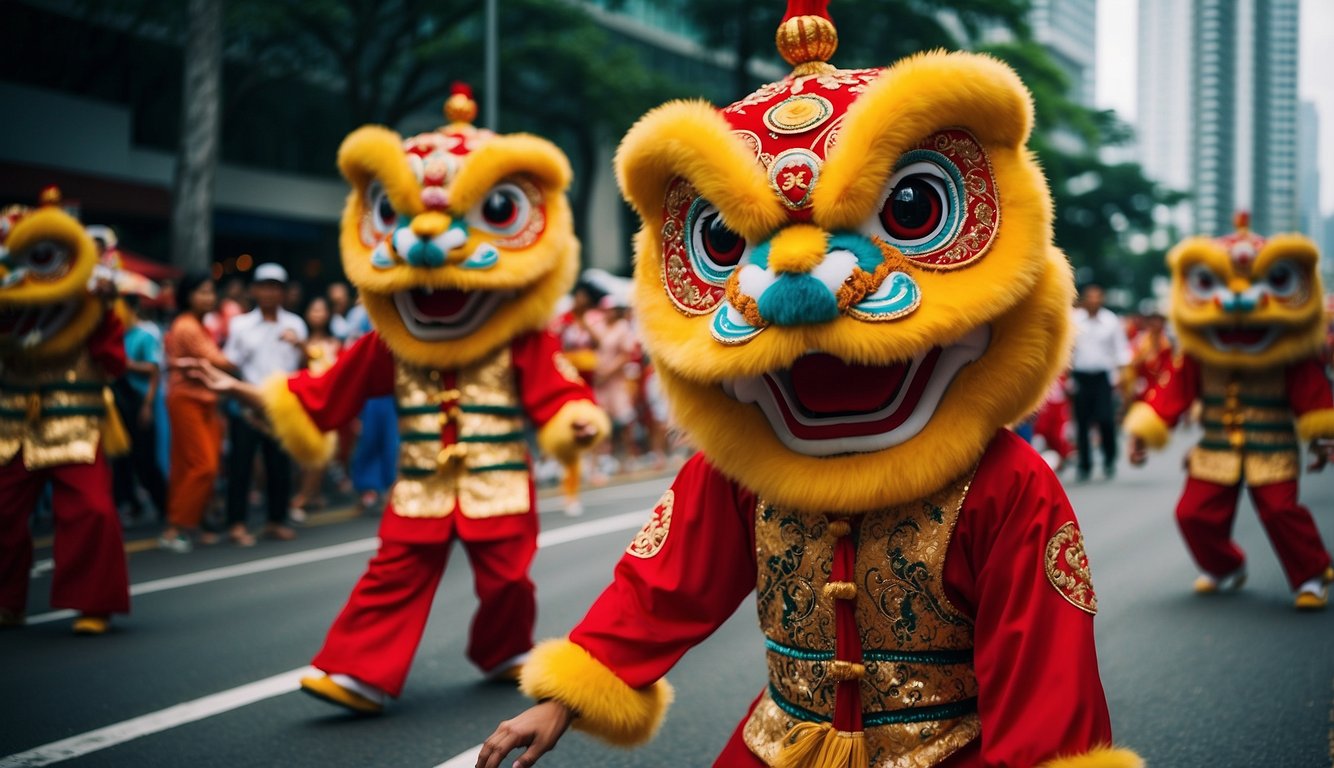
1283	279
45	259
1202	282
919	212
715	248
503	211
381	209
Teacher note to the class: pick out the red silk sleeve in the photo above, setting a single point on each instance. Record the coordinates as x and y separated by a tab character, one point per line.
1040	695
660	604
333	398
1308	387
107	345
1175	391
546	382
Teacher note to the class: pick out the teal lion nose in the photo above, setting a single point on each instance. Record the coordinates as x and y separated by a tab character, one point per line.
798	300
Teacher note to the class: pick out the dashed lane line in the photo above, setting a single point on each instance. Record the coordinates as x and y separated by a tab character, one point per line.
269	687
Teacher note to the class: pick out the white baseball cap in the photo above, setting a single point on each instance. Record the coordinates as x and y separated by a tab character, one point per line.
270	272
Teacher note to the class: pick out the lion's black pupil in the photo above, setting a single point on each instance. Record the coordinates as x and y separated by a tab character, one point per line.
386	210
721	239
498	208
913	204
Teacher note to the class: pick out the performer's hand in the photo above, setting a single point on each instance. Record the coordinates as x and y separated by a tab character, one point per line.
538	728
288	335
206	373
585	433
1138	452
1322	450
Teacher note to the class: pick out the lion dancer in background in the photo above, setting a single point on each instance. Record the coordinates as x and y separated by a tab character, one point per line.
1248	314
60	348
460	242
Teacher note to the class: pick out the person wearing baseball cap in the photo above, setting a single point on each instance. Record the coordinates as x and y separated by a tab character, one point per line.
264	341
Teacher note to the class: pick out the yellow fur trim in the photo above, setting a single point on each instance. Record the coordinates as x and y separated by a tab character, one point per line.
1100	757
690	139
506	156
797	249
292	426
1316	424
372	153
904	106
1143	422
556	437
53	225
606	706
115	438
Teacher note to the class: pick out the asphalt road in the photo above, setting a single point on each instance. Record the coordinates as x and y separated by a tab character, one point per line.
202	674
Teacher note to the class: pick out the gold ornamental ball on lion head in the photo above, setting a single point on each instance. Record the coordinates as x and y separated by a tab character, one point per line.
846	279
46	261
1244	301
458	239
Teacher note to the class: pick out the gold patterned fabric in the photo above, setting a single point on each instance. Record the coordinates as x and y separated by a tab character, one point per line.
486	469
918	690
53	412
1248	428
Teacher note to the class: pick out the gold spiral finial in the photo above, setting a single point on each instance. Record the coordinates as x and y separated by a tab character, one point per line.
807	38
460	106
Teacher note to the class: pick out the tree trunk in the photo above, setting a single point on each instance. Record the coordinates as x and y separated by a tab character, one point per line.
192	201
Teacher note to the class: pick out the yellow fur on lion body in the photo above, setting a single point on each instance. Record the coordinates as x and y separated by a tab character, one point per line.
50	223
1303	325
1022	287
539	274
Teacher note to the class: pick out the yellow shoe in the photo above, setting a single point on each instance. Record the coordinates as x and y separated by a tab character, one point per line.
91	625
508	671
1210	585
1313	595
326	689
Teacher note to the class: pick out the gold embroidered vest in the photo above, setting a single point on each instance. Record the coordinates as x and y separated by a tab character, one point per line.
917	689
486	468
1248	428
52	411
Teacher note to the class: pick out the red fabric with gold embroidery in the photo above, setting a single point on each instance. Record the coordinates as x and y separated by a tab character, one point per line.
1034	655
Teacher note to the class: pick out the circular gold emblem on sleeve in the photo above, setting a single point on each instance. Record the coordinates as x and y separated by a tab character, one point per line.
1067	567
651	538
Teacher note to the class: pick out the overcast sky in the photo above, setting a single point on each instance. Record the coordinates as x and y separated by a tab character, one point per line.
1116	70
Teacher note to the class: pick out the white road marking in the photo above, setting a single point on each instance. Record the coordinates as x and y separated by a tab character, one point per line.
286	682
153	722
463	759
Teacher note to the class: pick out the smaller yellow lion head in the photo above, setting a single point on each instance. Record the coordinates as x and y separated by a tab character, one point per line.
458	239
46	260
1242	301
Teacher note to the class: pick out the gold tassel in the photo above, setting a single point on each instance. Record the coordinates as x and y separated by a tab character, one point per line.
818	745
34	409
115	438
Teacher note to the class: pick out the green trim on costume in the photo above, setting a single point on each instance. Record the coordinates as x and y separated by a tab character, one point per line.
511	466
1210	445
1259	402
921	714
58	386
503	437
416	472
493	410
907	657
416	410
74	410
6	413
1258	426
419	437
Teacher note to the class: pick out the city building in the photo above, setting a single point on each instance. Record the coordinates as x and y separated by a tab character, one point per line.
1068	29
1217	108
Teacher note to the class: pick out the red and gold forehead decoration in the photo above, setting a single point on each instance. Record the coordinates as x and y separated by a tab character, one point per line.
435	156
1243	245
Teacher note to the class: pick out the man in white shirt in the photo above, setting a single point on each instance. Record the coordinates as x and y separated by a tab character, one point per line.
1101	351
265	341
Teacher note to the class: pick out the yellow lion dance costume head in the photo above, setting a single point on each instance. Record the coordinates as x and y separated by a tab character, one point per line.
1241	301
458	239
848	282
46	261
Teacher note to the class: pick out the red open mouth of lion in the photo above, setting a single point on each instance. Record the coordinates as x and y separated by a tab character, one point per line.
442	314
824	406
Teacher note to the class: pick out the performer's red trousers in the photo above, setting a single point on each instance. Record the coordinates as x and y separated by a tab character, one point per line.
1206	512
376	635
90	574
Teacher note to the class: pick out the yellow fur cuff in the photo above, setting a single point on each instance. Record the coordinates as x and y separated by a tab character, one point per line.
1145	423
1101	757
292	426
606	706
1316	424
556	437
